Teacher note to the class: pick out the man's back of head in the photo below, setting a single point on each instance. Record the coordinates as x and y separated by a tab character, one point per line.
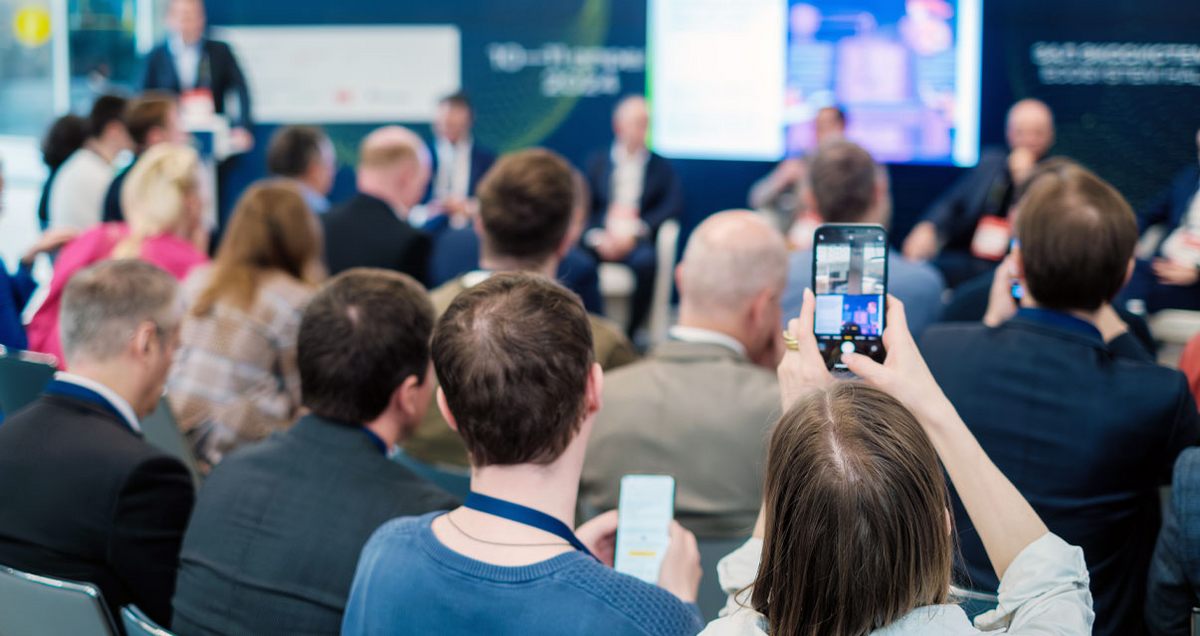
151	119
303	153
526	202
106	111
394	165
844	183
1077	236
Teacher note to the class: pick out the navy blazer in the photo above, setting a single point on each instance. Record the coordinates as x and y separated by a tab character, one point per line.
1086	434
481	161
662	194
957	213
1170	207
219	72
1174	587
365	232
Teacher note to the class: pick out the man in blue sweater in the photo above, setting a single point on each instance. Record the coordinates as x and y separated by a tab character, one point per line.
514	358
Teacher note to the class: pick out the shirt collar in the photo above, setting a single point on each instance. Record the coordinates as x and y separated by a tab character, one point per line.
706	336
115	400
1060	320
619	154
177	46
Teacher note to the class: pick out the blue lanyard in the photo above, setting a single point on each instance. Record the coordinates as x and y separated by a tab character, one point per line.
376	440
525	516
84	394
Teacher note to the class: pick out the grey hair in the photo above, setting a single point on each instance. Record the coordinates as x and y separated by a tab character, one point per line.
730	258
103	305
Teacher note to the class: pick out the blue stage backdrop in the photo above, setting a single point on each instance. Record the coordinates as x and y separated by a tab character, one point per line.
1123	78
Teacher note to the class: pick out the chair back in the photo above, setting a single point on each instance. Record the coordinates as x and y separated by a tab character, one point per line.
1196	621
22	377
161	431
32	605
138	624
667	245
456	481
711	597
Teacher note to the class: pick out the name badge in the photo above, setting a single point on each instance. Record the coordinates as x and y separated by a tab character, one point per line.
992	238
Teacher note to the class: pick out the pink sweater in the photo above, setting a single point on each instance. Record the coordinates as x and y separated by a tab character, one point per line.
173	254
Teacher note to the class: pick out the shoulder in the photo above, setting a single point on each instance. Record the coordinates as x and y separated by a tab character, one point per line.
175	255
1187	471
951	337
653	609
217	47
919	276
394	534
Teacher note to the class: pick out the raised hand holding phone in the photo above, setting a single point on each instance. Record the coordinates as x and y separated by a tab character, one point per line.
850	271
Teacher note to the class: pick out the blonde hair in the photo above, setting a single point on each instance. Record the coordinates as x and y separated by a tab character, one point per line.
154	195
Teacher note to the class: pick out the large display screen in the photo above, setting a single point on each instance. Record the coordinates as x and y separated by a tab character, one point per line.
745	80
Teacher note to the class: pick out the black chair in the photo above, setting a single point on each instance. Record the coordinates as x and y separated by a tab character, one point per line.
23	374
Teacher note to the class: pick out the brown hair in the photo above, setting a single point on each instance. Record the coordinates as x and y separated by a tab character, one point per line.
843	177
513	355
526	202
293	149
146	113
272	231
362	335
1077	236
855	507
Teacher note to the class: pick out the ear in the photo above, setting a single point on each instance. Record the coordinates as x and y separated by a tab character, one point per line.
595	390
679	280
564	245
145	339
759	307
406	399
810	202
1018	263
1129	269
445	409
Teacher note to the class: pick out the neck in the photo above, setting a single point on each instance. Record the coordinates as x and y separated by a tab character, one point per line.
548	268
689	317
386	429
107	151
370	187
112	374
551	489
1089	317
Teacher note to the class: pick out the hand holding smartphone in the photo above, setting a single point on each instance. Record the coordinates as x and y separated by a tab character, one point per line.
645	510
850	272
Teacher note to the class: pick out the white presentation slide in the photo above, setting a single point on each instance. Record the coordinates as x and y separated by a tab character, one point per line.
352	74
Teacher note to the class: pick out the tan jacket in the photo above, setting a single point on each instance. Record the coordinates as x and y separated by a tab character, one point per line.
699	412
433	442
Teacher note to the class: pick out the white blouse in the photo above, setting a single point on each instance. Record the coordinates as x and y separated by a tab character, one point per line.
1044	592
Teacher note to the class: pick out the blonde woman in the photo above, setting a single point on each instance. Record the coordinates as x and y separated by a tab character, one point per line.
163	226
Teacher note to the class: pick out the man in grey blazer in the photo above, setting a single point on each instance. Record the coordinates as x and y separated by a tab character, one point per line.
700	406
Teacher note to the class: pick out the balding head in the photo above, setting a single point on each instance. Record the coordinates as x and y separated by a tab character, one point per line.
394	165
1031	127
731	278
631	120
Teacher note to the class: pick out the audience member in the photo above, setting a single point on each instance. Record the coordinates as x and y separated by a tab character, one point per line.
1087	431
1174	577
87	498
372	229
164	206
77	196
710	389
66	135
527	205
854	536
236	379
846	187
458	162
965	232
305	155
519	383
782	194
278	528
1171	278
634	191
151	119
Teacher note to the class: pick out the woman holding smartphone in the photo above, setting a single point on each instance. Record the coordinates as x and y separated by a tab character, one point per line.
855	535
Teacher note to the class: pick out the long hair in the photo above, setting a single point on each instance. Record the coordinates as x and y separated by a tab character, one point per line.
272	232
856	533
155	197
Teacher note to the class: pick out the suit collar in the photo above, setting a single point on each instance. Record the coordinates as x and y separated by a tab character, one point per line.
91	390
335	434
1058	324
682	351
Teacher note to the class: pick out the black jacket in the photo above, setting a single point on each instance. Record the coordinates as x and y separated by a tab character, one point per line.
275	538
219	72
365	232
85	498
662	193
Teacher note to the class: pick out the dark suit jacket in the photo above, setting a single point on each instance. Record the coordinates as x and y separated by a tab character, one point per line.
481	161
365	232
662	194
1174	587
86	499
1171	206
1086	435
957	212
218	72
112	199
275	538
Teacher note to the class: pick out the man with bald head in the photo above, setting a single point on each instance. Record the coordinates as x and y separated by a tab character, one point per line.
634	191
964	231
699	407
372	229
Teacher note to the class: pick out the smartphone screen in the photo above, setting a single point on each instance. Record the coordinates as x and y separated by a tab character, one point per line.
644	512
850	266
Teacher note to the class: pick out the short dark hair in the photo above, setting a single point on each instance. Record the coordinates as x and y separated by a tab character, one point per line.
1077	236
105	110
146	113
526	202
513	355
65	136
843	178
361	337
459	99
293	149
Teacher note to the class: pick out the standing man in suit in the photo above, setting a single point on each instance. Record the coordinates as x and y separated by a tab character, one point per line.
634	191
372	229
458	162
965	231
275	537
1063	399
190	65
87	499
710	390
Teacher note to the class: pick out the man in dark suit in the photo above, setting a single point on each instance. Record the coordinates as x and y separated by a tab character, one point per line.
372	229
634	191
459	163
190	64
86	498
274	540
950	233
1063	400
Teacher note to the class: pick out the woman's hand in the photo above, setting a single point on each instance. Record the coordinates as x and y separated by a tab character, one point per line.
802	369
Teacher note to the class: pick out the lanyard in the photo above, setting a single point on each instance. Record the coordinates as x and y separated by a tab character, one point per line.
84	394
525	516
376	441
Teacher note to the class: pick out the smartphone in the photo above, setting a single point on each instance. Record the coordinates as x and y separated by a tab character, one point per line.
850	272
645	509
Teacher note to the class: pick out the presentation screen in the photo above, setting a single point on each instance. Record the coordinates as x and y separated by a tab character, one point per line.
745	80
